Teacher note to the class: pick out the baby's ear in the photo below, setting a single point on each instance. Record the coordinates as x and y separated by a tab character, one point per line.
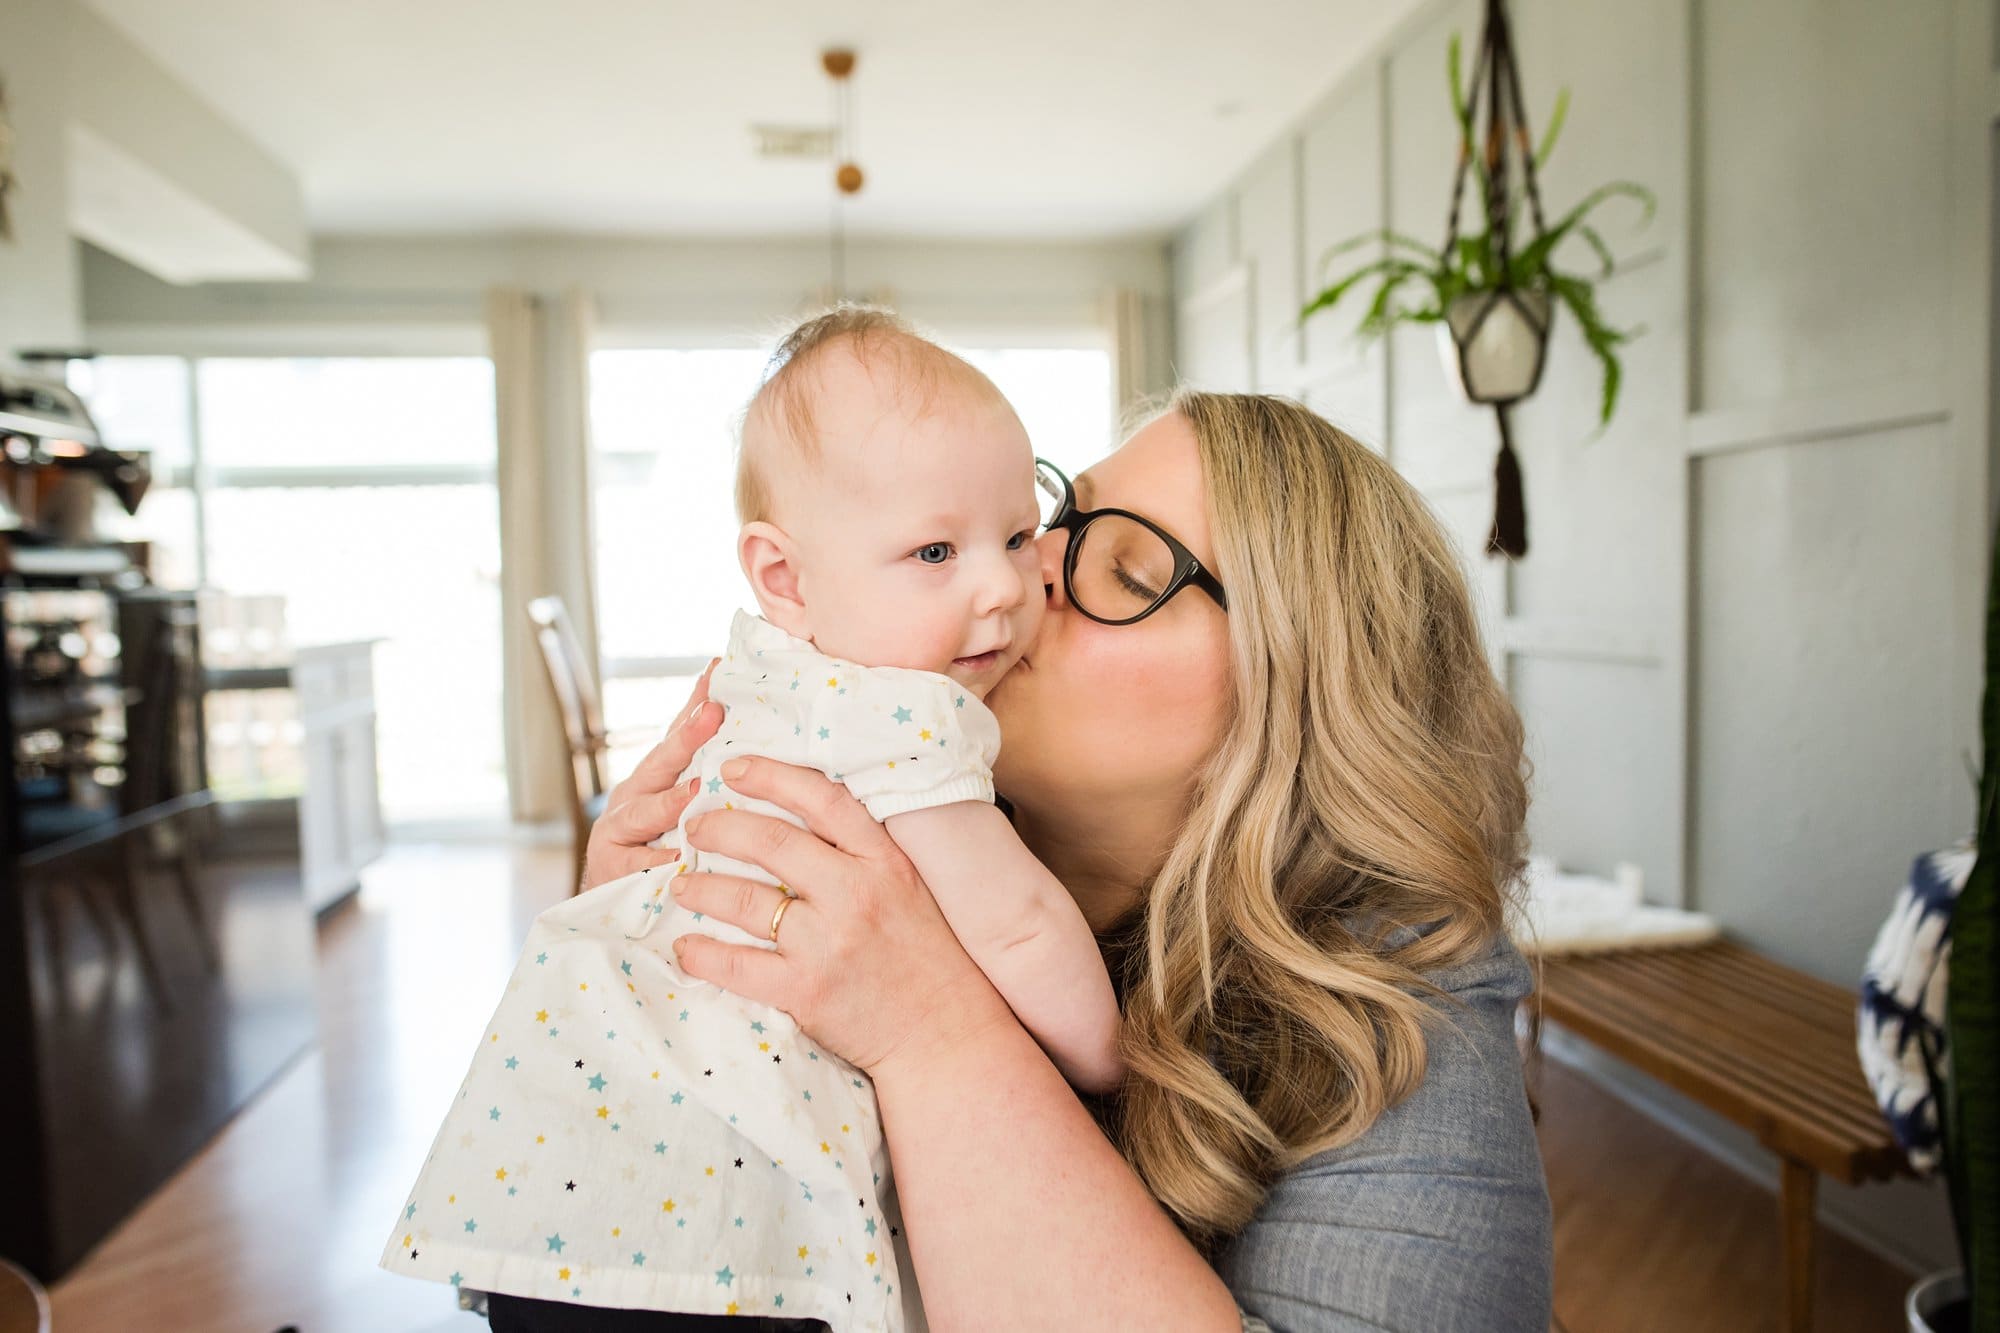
770	561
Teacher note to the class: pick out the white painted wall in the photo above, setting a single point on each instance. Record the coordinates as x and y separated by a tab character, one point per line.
39	294
1746	639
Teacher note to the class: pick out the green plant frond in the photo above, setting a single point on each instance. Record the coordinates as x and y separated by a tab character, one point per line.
1632	190
1393	271
1454	73
1607	262
1600	337
1554	131
1383	236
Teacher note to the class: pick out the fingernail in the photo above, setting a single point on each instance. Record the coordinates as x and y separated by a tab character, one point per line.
735	768
680	944
676	884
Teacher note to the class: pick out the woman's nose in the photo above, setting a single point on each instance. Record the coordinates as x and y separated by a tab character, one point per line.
1050	548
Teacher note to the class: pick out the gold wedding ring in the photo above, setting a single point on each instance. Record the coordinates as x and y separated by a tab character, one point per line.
778	916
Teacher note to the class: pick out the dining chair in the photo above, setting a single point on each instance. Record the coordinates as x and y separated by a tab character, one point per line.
580	704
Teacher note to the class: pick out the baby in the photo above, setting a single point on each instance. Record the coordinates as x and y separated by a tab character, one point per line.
629	1136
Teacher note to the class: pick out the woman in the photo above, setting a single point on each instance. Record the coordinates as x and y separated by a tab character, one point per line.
1289	796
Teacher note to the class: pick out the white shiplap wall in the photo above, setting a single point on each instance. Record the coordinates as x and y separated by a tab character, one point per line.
1746	641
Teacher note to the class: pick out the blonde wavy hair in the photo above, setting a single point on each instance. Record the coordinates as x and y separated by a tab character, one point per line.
1360	823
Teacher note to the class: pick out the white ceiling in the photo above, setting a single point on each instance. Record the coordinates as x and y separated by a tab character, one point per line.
1029	118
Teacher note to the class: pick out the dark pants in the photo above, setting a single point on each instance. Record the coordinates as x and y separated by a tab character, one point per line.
521	1314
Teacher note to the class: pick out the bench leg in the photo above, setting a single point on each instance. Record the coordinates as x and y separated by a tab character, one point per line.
1798	1215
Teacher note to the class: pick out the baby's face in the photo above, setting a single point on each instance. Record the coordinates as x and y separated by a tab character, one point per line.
915	535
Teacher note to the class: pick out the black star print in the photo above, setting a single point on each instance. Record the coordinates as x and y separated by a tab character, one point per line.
739	1163
413	1254
579	1064
570	1186
777	1059
895	1231
708	1073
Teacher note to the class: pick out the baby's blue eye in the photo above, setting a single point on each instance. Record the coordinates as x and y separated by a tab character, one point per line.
1020	539
934	554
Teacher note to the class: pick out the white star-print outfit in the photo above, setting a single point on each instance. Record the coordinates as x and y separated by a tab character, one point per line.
628	1136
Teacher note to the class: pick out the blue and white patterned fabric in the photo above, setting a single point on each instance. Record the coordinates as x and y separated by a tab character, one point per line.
1902	1000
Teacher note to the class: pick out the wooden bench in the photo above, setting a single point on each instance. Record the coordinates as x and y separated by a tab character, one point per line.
1766	1046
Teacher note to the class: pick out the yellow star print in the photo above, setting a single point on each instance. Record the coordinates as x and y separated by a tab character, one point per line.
541	1015
871	1256
501	1174
666	1205
562	1275
803	1251
603	1113
924	735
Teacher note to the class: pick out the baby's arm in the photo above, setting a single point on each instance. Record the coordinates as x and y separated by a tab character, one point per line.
1023	929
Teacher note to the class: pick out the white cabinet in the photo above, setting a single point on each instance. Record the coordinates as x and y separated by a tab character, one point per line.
340	809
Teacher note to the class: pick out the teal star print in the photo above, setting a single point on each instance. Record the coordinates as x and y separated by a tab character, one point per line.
493	1114
541	958
609	1035
456	1278
638	1258
757	1025
723	1277
411	1211
677	1099
822	733
779	1300
684	1015
511	1191
959	702
597	1083
714	785
513	1063
471	1225
871	1226
556	1242
626	967
902	715
661	1146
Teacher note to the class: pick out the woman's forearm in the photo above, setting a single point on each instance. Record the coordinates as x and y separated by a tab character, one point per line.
1021	1214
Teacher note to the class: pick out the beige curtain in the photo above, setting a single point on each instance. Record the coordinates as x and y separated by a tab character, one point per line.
1140	352
541	379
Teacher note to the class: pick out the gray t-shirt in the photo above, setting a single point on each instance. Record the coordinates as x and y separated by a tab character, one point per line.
1437	1218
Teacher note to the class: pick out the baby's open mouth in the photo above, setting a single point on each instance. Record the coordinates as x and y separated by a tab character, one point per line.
985	661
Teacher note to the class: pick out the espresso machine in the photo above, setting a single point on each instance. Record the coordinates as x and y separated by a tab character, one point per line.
55	472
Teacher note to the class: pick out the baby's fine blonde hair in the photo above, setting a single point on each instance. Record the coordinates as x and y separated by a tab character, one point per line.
780	424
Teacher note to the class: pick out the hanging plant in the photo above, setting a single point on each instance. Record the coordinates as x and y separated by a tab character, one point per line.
1494	293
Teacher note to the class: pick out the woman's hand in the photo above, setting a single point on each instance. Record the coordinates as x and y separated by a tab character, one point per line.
865	960
647	803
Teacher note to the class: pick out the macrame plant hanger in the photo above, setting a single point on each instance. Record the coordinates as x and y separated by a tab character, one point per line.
1503	147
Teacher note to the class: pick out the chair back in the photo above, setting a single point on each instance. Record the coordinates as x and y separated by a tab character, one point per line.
576	696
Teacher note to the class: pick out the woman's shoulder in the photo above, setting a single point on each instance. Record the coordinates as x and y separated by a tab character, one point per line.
1438	1216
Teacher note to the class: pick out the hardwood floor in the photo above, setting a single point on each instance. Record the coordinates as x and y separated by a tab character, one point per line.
1653	1235
280	1219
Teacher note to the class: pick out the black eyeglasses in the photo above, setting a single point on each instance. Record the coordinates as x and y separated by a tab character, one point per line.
1118	567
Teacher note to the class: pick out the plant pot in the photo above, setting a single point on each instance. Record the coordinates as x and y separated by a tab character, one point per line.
1494	343
1937	1304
